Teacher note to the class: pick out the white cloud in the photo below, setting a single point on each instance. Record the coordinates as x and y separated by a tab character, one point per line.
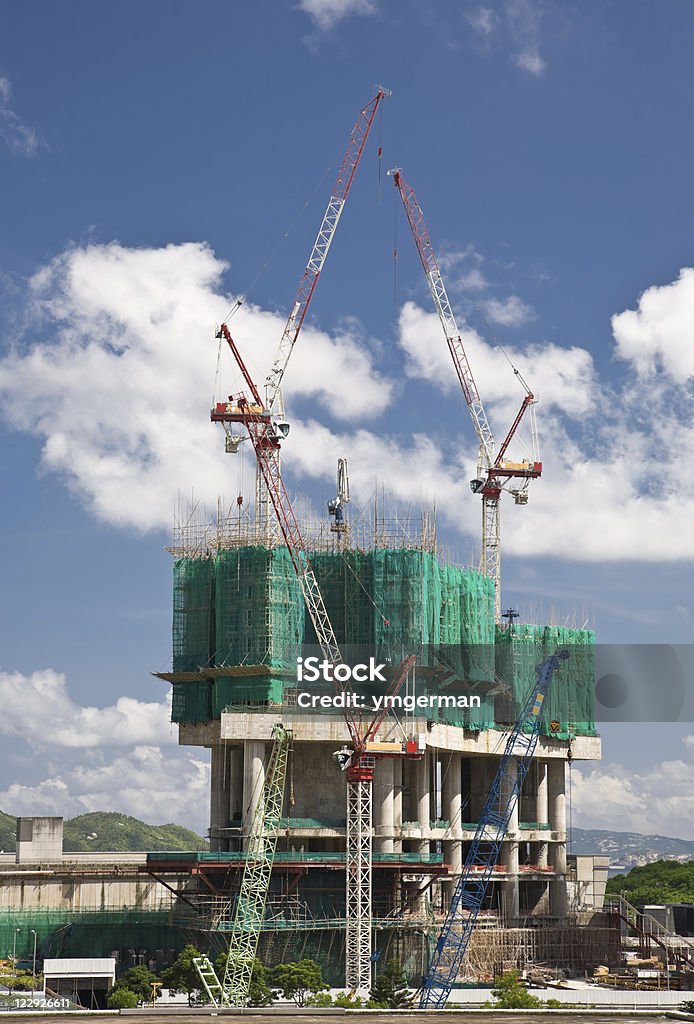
115	375
524	19
656	800
658	333
483	20
327	13
119	390
145	782
39	709
509	312
19	136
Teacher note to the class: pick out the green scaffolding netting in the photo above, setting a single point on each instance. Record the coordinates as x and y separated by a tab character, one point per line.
245	607
571	700
74	932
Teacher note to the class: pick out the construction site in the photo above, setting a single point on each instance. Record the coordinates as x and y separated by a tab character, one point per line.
410	798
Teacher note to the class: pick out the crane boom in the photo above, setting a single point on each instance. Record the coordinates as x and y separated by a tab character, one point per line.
427	255
471	888
493	472
321	246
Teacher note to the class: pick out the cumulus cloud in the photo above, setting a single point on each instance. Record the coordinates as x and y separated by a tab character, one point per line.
119	388
18	136
124	783
39	710
114	371
612	797
658	333
327	13
509	312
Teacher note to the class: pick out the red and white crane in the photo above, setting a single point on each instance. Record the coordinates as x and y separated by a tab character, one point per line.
494	472
308	282
266	439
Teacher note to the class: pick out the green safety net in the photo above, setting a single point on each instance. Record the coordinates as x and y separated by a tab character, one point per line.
245	607
193	613
571	700
75	932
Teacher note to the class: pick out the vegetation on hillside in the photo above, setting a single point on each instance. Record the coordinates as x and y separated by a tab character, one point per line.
8	825
664	881
102	831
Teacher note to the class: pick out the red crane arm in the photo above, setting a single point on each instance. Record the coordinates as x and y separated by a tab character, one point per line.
326	232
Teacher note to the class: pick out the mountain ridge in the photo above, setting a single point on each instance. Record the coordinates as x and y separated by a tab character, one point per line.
109	831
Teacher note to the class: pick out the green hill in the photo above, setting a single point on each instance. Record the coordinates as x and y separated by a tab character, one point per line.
107	830
102	831
664	881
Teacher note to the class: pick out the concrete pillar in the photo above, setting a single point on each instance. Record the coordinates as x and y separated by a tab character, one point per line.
253	781
397	802
557	817
557	795
384	806
509	853
423	797
219	795
542	802
543	854
235	785
451	806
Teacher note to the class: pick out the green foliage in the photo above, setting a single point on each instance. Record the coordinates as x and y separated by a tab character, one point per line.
182	975
20	981
349	1002
114	831
121	999
663	881
511	995
297	981
138	980
319	999
259	992
687	1006
8	839
390	990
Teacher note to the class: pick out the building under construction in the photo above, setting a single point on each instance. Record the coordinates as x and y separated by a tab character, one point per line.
239	625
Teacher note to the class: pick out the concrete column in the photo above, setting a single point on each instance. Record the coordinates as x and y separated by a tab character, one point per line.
219	795
511	893
509	853
542	803
397	802
423	798
557	816
543	854
253	781
452	803
235	784
556	785
383	806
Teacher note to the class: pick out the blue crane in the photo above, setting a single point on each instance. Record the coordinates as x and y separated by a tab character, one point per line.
471	889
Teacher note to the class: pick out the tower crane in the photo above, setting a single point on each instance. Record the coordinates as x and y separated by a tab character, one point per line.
309	280
471	888
266	438
494	471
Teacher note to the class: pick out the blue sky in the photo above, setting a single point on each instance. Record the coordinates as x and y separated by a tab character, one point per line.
157	160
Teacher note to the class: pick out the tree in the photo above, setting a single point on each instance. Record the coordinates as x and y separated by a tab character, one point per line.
390	990
259	993
511	995
298	980
121	999
182	975
138	980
